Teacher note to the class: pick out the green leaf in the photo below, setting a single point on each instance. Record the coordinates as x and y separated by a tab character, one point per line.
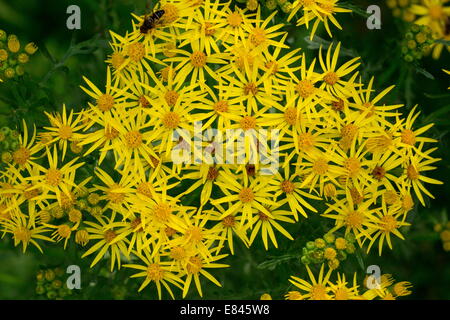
273	263
43	49
360	259
358	10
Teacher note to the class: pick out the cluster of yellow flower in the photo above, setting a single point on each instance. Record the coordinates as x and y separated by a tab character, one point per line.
208	62
12	56
432	13
317	12
322	288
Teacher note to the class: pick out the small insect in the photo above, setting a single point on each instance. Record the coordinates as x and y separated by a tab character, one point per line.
151	21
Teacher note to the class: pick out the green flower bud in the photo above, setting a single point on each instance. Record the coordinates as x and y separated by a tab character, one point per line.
23	58
391	3
20	71
333	264
271	4
287	7
40	275
317	255
63	292
13	43
411	44
421	37
56	284
350	237
6	156
415	28
96	211
350	248
3	55
52	295
82	204
418	55
57	212
10	73
409	58
310	245
49	275
252	5
404	49
14	145
15	134
305	260
341	255
2	35
40	289
31	48
59	272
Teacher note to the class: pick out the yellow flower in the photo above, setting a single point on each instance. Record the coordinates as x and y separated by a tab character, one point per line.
109	239
413	175
318	10
333	75
64	129
245	197
387	221
227	227
22	230
194	63
341	289
24	156
356	218
156	271
54	179
289	187
111	98
265	225
196	266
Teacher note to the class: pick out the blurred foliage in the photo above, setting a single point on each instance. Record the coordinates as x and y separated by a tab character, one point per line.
53	77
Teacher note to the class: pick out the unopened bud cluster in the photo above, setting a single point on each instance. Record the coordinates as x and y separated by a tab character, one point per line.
330	249
444	234
51	284
9	142
400	9
417	42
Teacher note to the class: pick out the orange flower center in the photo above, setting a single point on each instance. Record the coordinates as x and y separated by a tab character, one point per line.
133	139
171	120
53	177
198	59
234	19
105	102
246	195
